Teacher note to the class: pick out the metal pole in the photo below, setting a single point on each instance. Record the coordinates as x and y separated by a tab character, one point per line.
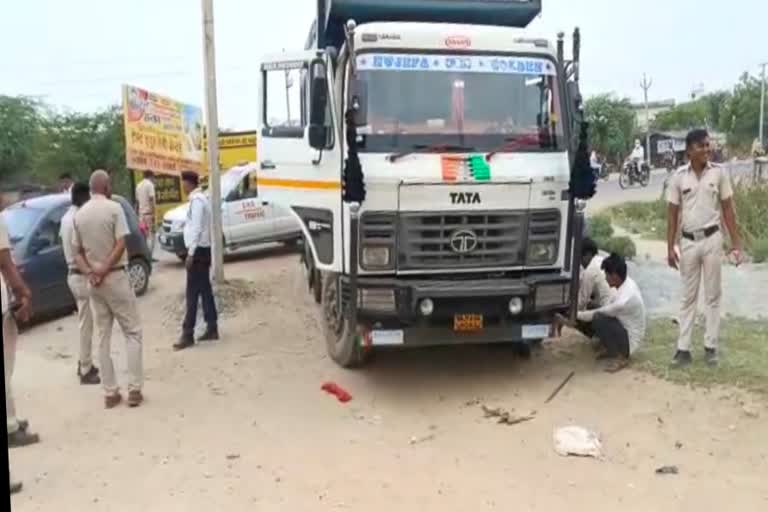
646	84
212	123
762	108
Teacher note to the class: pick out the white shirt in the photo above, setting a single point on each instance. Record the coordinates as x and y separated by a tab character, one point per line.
4	245
628	308
593	287
67	233
197	230
145	196
638	153
593	161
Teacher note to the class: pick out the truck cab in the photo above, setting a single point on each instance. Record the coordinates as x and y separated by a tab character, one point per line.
429	165
247	218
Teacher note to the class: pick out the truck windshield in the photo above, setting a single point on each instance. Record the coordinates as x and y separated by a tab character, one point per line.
473	102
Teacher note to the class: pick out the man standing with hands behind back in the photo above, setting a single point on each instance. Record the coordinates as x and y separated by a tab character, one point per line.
197	238
99	248
698	193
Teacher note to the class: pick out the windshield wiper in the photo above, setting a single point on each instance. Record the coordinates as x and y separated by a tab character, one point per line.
520	141
429	148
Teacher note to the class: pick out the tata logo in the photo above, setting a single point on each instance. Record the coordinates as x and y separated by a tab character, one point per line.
458	42
465	198
463	241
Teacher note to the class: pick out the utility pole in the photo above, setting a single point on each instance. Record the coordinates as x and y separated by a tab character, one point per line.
762	108
212	128
646	85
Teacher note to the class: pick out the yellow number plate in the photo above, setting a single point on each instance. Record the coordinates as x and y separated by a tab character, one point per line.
467	323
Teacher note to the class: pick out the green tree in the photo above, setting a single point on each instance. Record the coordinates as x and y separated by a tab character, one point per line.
741	113
21	124
612	125
704	112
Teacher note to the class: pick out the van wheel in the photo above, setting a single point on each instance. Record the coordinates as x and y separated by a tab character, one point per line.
341	339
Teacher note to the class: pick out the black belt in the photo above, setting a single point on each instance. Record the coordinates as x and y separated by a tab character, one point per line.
701	233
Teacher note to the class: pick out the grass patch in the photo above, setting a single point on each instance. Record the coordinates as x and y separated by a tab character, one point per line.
743	362
647	219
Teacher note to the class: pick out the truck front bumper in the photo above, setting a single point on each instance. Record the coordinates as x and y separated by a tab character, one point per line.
391	313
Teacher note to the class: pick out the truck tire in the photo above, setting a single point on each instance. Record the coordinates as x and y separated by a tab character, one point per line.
341	338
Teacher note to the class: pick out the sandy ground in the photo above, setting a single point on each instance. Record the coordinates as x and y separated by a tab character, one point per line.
243	425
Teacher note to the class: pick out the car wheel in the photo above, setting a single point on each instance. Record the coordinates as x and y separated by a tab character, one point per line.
138	273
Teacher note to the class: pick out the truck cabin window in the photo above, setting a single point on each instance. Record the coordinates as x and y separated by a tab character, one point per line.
479	103
285	111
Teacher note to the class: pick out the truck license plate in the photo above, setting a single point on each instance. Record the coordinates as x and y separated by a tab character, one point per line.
536	332
467	322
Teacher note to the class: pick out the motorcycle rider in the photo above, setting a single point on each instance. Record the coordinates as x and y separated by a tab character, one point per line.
637	157
594	162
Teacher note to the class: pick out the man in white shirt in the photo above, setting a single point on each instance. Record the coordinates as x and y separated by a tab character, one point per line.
620	324
145	203
197	239
14	306
78	285
594	290
638	155
65	183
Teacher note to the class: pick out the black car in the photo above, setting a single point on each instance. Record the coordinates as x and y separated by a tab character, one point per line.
33	227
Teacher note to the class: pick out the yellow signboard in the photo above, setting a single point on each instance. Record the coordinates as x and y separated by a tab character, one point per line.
161	134
235	148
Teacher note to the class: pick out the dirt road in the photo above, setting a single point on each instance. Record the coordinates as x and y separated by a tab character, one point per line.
243	425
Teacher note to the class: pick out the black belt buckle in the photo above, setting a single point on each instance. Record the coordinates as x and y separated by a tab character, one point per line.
701	234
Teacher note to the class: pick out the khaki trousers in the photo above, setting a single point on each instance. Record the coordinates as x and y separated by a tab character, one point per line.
10	340
78	285
114	300
701	266
149	220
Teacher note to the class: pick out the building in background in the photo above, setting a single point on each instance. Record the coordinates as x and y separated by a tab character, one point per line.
654	109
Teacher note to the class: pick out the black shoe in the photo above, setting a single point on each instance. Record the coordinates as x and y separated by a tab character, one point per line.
15	487
185	341
23	425
711	357
91	377
209	335
681	360
22	438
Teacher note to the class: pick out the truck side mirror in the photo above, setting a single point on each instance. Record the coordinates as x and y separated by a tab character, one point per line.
318	129
359	101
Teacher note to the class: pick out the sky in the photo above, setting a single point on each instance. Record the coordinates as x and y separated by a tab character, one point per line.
76	54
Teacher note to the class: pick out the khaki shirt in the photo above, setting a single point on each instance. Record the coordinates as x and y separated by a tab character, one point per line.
145	197
699	198
98	225
67	234
5	245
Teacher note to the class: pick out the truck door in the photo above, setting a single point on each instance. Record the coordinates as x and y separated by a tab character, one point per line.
291	173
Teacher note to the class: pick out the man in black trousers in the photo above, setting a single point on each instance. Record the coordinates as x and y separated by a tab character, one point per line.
197	239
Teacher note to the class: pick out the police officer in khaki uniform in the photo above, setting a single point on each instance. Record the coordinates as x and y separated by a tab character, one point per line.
78	285
145	205
700	198
99	243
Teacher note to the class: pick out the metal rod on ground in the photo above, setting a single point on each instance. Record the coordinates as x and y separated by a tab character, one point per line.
212	130
560	387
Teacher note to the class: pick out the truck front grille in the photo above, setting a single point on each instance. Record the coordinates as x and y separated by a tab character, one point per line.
493	239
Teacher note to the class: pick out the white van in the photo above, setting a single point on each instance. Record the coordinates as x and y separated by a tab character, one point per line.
246	219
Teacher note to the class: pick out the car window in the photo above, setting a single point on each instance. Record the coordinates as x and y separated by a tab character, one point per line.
20	221
47	234
251	190
130	215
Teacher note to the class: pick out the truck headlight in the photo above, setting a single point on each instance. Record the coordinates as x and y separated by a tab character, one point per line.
376	256
542	253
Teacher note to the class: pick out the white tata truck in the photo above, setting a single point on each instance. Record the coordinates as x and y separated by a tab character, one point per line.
436	160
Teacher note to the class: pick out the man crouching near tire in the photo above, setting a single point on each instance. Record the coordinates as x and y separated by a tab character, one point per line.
619	326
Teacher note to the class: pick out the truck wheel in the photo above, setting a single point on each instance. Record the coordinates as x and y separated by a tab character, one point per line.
340	337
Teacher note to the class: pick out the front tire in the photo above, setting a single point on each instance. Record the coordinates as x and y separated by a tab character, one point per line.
623	179
138	274
341	338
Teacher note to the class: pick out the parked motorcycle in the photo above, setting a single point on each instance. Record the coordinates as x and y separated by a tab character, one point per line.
631	175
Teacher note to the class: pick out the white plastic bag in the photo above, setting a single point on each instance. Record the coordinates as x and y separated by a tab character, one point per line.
578	441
